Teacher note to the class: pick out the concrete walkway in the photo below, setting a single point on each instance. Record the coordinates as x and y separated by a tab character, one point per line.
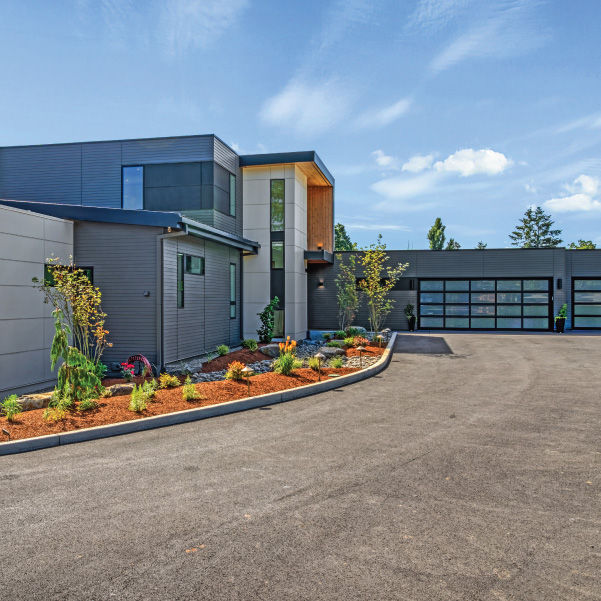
470	469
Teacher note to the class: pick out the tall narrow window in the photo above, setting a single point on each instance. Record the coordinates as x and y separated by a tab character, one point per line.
133	188
277	255
232	195
277	205
232	290
180	280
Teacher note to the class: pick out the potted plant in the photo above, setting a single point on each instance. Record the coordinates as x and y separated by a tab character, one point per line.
560	319
409	313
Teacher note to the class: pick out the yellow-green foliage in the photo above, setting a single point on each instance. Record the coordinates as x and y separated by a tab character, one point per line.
314	363
11	407
190	393
138	399
223	350
58	406
336	362
168	381
234	371
285	364
150	388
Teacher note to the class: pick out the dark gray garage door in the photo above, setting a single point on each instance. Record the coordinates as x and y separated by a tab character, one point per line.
586	293
485	304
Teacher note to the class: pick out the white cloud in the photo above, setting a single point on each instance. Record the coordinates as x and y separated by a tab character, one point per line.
531	188
435	14
470	162
375	226
307	107
584	197
418	163
386	115
385	161
403	187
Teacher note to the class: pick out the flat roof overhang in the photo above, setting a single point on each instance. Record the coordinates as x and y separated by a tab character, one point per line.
319	256
308	162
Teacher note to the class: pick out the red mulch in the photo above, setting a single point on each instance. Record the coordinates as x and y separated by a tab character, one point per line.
242	355
113	410
370	351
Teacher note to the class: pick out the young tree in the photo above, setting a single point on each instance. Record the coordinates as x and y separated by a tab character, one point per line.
342	241
535	231
481	245
436	235
378	282
348	295
582	245
453	245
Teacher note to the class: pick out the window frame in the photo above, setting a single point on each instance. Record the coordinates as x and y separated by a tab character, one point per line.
233	291
181	269
123	186
232	194
202	263
271	203
280	242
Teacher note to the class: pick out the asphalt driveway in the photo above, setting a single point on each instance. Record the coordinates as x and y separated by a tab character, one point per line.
469	469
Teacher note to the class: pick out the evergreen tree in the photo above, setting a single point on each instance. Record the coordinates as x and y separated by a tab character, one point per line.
342	241
453	245
535	231
582	245
481	245
436	235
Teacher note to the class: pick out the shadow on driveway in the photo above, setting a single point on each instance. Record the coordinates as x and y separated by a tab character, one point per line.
421	345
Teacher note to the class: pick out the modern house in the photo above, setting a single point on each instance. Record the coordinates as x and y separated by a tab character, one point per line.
188	241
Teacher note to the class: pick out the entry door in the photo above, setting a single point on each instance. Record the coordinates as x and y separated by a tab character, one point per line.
485	304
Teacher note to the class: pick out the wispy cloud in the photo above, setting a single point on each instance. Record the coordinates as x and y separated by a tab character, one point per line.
385	160
584	198
418	163
378	226
404	187
589	122
470	162
308	107
384	116
432	15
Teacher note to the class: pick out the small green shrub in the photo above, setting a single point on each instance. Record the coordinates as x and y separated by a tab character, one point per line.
11	407
138	399
251	344
327	336
87	405
58	406
285	364
563	312
234	371
267	317
190	393
314	363
223	350
340	335
336	362
210	357
349	341
100	370
150	389
353	332
335	343
168	381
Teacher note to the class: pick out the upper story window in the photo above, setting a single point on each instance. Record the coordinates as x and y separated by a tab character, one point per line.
277	205
195	265
133	187
232	195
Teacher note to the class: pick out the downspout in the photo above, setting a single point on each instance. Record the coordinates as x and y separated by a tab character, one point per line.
160	308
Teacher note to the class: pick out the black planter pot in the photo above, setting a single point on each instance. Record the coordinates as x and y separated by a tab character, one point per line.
560	325
411	322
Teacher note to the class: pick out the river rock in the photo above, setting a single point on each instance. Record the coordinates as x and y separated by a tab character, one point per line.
271	350
35	401
331	351
119	389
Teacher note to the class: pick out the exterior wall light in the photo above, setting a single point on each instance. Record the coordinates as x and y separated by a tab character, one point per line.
559	283
320	284
320	246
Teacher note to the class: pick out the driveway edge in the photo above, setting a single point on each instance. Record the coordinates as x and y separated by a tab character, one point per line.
190	415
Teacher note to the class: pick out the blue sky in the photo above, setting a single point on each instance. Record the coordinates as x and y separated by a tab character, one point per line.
468	110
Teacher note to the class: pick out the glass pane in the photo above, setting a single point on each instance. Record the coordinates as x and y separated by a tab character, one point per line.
457	285
536	285
509	310
457	297
431	322
277	205
278	323
431	285
483	297
587	322
483	285
195	265
536	323
232	195
457	310
587	297
483	309
457	322
483	322
536	297
277	255
587	309
511	323
542	310
509	297
133	188
431	297
232	283
180	280
587	284
430	309
509	285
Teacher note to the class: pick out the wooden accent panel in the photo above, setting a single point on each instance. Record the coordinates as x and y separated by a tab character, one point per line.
320	218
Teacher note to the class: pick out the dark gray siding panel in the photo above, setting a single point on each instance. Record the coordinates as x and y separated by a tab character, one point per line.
101	174
124	262
170	310
228	159
41	173
167	150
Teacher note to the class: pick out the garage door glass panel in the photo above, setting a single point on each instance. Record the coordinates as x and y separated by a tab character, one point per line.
509	323
483	297
587	297
536	297
508	310
457	310
457	285
433	285
457	322
536	323
536	310
509	297
509	285
536	285
432	322
483	322
457	297
587	322
587	284
431	309
483	285
483	309
587	309
431	297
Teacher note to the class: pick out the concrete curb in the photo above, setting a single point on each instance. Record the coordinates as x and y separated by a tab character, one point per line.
190	415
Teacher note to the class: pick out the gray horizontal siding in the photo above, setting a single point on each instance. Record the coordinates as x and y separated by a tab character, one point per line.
101	174
167	150
124	262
